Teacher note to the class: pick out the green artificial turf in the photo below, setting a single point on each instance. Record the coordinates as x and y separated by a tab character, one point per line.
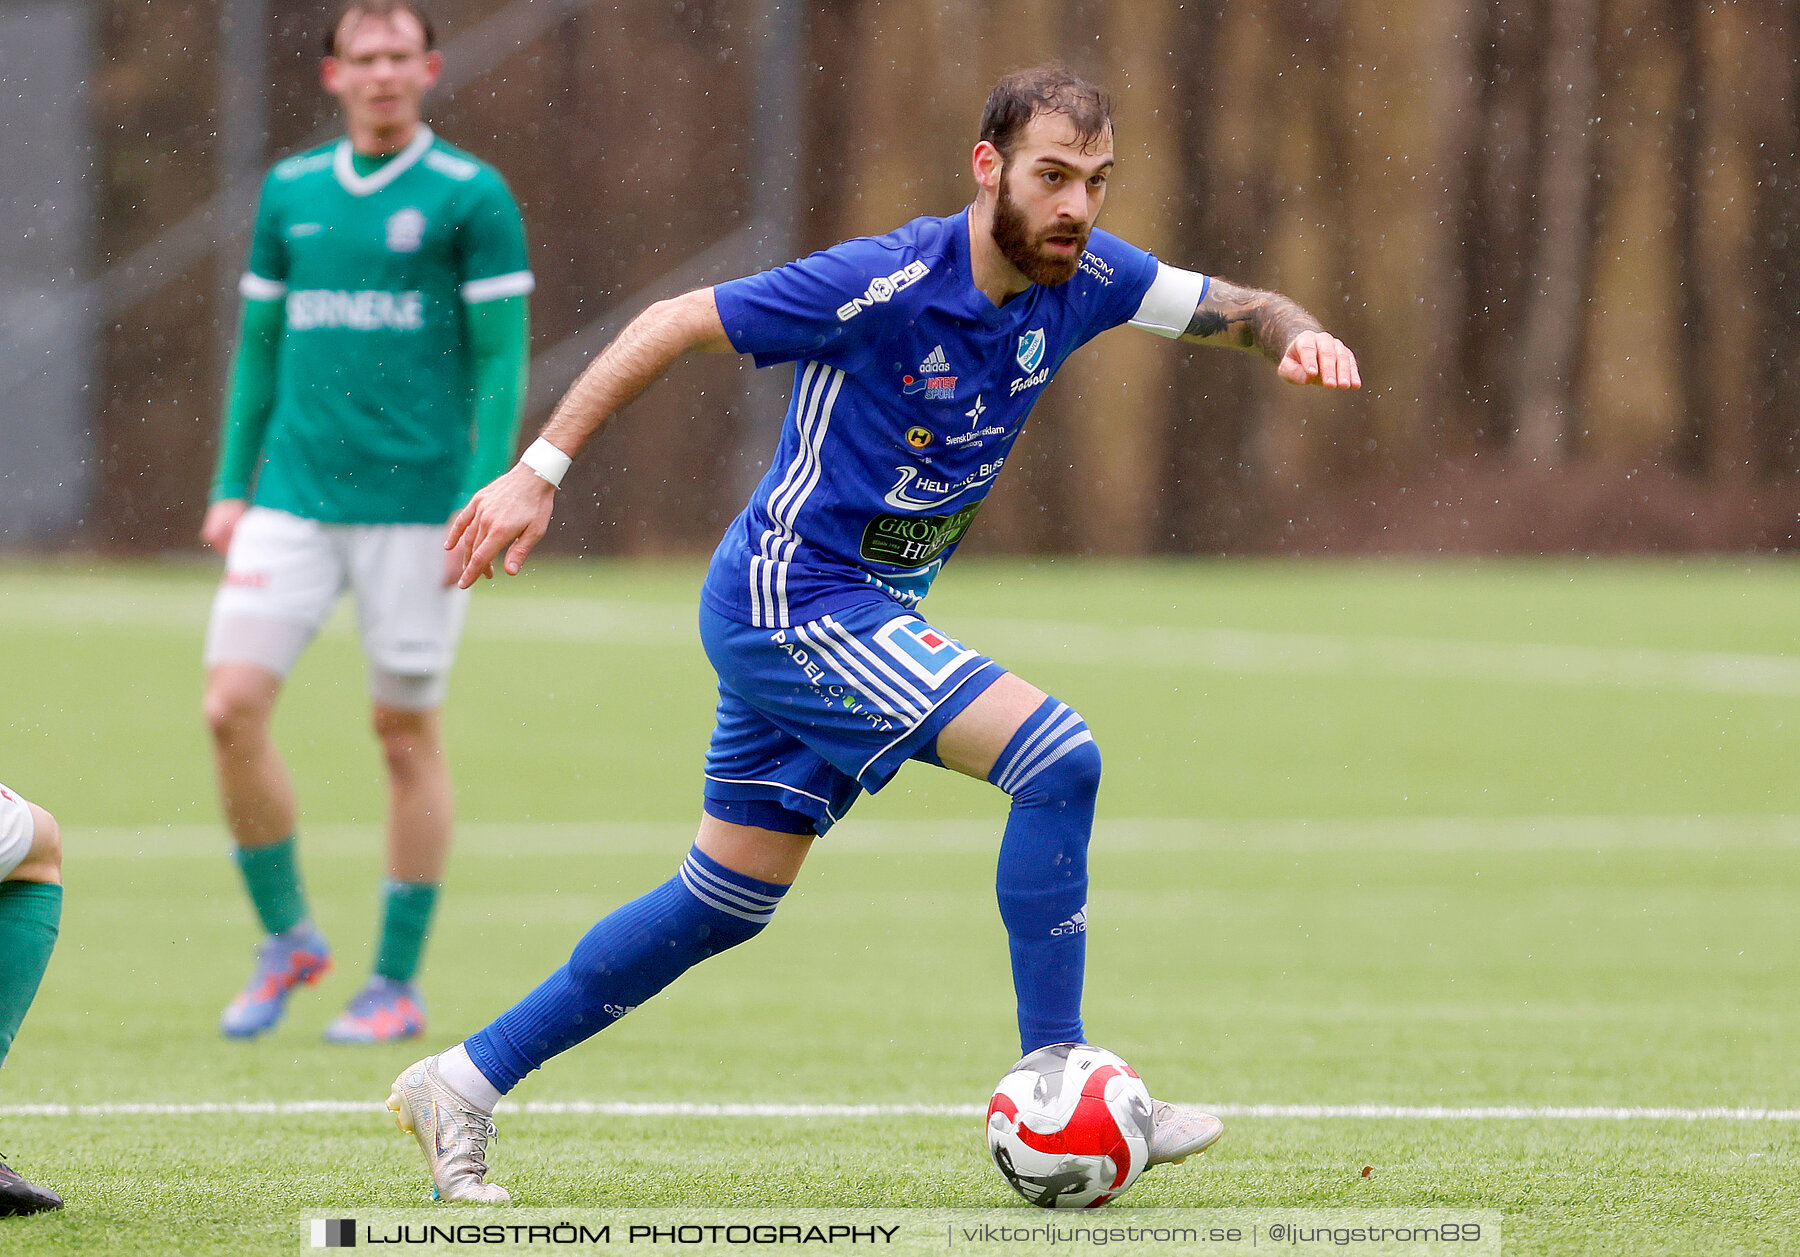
1520	838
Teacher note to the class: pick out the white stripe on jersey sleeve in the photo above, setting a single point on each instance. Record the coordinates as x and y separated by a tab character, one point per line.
495	287
255	288
1168	307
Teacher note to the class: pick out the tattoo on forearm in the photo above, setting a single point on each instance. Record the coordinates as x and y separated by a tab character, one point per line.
1248	318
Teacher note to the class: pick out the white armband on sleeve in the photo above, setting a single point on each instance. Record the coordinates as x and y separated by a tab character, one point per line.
1169	306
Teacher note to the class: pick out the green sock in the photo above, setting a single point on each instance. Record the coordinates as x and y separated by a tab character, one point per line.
405	919
29	913
272	875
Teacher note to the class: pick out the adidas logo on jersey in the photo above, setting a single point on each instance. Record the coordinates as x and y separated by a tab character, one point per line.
934	377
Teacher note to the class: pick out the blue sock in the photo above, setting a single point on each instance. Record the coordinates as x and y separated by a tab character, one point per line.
1051	768
631	955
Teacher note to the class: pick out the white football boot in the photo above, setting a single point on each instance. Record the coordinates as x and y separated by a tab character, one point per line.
453	1133
1179	1133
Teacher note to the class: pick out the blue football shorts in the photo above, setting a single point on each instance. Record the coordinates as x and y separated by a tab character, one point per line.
810	716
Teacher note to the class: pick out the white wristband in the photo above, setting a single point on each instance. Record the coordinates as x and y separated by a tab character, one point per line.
547	461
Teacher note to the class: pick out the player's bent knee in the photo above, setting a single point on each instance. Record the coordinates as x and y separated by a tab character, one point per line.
46	838
43	859
1052	758
229	719
1078	772
236	704
404	731
410	740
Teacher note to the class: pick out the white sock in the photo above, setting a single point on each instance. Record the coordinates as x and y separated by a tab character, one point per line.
469	1082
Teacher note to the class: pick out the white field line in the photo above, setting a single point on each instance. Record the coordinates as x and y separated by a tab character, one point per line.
1164	648
594	1108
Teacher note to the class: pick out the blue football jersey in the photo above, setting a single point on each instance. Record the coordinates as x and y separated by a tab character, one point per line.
910	387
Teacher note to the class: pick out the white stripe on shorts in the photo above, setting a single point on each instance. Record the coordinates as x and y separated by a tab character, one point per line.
897	678
880	696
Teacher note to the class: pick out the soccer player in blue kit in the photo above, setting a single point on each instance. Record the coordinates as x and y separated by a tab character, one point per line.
917	357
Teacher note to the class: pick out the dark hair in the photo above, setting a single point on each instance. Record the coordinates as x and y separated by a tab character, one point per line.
1052	88
375	8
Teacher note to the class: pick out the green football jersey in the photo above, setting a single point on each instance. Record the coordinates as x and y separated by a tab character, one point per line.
373	396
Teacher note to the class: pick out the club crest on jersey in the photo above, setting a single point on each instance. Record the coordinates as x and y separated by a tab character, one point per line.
918	438
925	652
405	231
1031	350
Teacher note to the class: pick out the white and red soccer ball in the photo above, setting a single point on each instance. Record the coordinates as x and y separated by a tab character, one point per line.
1069	1126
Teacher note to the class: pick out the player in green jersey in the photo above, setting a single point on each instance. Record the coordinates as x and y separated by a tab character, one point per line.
378	380
30	912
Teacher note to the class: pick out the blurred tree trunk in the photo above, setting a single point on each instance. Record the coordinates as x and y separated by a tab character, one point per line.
1221	162
1550	341
1447	285
1778	235
1688	451
1724	238
1496	235
1325	97
1118	387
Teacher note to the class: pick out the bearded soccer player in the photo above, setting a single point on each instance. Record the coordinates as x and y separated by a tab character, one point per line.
30	912
917	356
378	381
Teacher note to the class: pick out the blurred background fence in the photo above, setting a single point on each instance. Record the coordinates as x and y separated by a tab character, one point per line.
1562	235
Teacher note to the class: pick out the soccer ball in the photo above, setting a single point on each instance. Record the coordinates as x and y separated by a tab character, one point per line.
1069	1126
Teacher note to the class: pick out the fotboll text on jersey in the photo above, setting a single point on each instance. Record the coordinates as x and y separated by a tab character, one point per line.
1029	381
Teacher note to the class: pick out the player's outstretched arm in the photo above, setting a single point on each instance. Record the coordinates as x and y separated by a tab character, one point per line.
512	512
1275	327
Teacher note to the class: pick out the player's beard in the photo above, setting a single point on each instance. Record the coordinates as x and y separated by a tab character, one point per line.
1013	237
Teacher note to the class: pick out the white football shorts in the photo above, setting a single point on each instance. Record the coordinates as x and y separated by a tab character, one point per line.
16	831
284	574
